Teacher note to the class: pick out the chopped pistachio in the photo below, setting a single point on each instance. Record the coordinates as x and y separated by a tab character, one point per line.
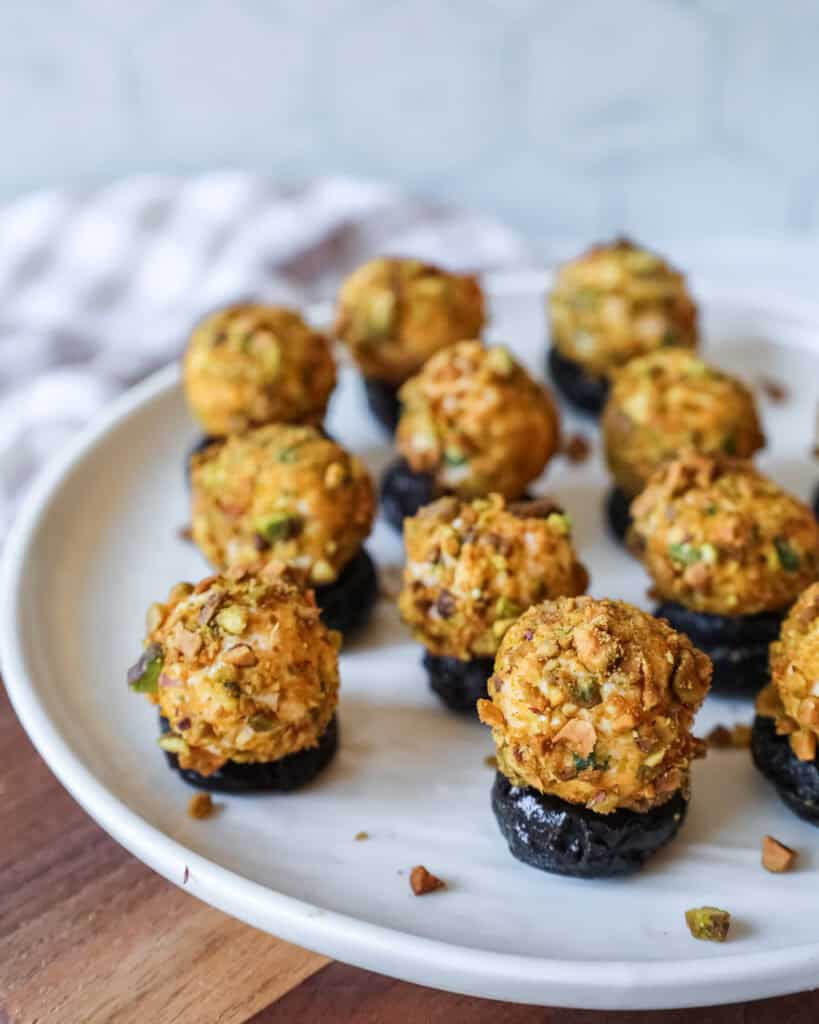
684	554
280	526
322	571
708	923
506	609
585	691
788	558
144	676
454	457
501	361
261	723
173	744
560	521
232	619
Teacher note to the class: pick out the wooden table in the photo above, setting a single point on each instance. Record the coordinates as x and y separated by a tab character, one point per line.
88	935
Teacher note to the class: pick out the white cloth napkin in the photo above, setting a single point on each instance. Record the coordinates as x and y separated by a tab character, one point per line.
99	288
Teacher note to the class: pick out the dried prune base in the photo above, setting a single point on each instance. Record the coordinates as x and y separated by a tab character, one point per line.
618	513
586	391
737	645
203	442
459	684
816	501
796	782
347	603
568	839
282	776
403	492
383	402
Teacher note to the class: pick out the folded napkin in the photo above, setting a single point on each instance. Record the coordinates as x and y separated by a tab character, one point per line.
98	288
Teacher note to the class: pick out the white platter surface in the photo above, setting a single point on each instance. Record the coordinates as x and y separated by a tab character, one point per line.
97	541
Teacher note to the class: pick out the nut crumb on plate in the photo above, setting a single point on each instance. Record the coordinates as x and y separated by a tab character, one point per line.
200	806
422	881
773	389
577	448
737	737
708	923
776	857
362	835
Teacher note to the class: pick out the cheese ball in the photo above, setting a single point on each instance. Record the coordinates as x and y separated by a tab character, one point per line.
793	697
716	536
248	365
393	314
593	701
476	421
473	567
616	302
285	493
243	671
668	401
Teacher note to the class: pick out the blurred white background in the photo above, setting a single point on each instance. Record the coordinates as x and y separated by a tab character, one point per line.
671	118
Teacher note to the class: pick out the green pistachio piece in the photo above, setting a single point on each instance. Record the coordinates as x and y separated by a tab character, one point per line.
708	923
261	723
173	744
506	609
232	619
788	558
591	762
144	676
280	526
454	457
684	554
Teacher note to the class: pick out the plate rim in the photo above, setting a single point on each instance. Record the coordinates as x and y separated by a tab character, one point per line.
608	984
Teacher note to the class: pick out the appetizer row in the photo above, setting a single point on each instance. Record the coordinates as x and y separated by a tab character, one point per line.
591	705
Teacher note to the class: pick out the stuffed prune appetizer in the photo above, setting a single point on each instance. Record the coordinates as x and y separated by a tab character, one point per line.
248	365
473	422
664	403
611	304
393	314
245	676
591	706
728	552
288	495
471	569
786	727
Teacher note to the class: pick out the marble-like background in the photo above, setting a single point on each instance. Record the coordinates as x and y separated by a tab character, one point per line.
666	117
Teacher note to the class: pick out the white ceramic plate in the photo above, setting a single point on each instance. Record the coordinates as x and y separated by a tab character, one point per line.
97	541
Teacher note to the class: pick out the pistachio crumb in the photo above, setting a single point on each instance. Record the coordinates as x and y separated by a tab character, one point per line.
776	857
490	761
577	448
708	923
422	881
200	806
362	835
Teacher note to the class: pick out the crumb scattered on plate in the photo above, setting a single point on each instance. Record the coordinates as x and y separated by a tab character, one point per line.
422	881
577	448
200	806
773	389
362	835
490	761
738	737
776	857
708	923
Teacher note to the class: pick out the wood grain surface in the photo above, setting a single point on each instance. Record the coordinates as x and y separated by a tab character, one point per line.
88	935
